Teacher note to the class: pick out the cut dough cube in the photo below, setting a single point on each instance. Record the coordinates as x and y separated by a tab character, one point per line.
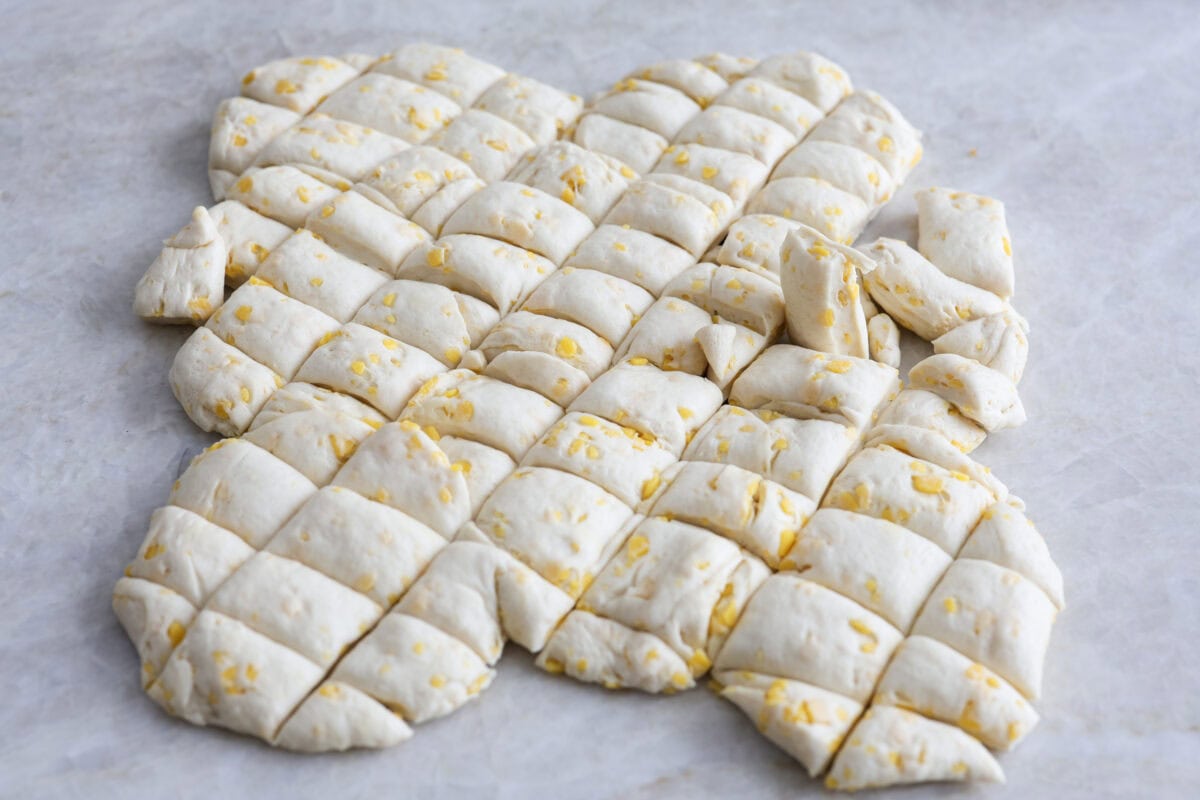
219	387
769	100
249	238
309	270
485	141
813	77
241	129
591	182
524	331
604	304
423	315
735	174
692	78
1005	536
754	242
187	554
821	289
549	376
966	236
541	111
682	211
368	233
666	337
632	145
736	295
633	255
482	467
338	717
298	397
740	131
523	216
154	618
920	409
997	341
448	70
980	393
883	340
593	649
653	106
187	280
336	145
404	183
315	442
834	212
497	273
846	167
392	106
896	145
297	83
285	193
271	327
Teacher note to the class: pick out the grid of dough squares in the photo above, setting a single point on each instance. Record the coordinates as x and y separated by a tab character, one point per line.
525	409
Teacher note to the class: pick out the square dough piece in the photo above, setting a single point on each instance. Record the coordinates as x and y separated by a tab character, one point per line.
297	84
485	141
309	270
736	295
666	337
423	315
838	214
735	174
155	618
448	70
271	327
541	111
771	101
185	281
925	410
846	167
966	236
432	215
754	242
404	183
524	331
315	442
896	145
241	128
653	106
366	232
732	129
634	146
604	304
821	288
686	213
591	182
498	273
694	79
813	77
633	255
392	106
368	365
187	554
249	238
523	216
219	386
286	193
549	376
336	145
1005	536
298	397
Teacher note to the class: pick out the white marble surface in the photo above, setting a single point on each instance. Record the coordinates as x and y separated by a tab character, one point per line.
1083	117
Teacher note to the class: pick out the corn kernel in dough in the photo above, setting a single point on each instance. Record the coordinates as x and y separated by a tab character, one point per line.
373	367
187	554
947	686
391	105
360	543
297	83
482	409
980	393
524	217
966	236
339	717
365	232
402	467
890	746
992	615
225	674
886	568
796	629
187	279
219	386
241	129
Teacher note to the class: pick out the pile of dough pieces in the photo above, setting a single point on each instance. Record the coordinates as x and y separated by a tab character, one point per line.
608	381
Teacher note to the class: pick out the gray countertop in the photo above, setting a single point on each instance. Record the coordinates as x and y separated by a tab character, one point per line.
1082	117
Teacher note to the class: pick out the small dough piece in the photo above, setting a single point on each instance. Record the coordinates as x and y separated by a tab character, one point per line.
593	649
966	236
740	131
524	331
482	409
602	303
883	339
361	543
400	466
485	141
242	488
591	182
757	514
992	615
653	106
944	685
436	210
998	341
666	337
249	238
813	77
482	467
187	280
800	454
1005	536
692	78
336	145
766	99
939	504
187	554
225	674
481	595
414	669
737	296
980	393
821	290
682	211
271	327
154	618
297	83
315	442
404	183
896	145
497	273
448	70
918	408
423	315
918	295
541	111
617	459
892	746
296	606
886	568
799	630
834	212
368	233
846	167
338	717
728	349
736	174
633	255
731	68
285	193
635	147
928	446
392	106
241	128
805	384
549	376
754	242
219	386
805	722
298	397
524	217
370	366
309	270
562	526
